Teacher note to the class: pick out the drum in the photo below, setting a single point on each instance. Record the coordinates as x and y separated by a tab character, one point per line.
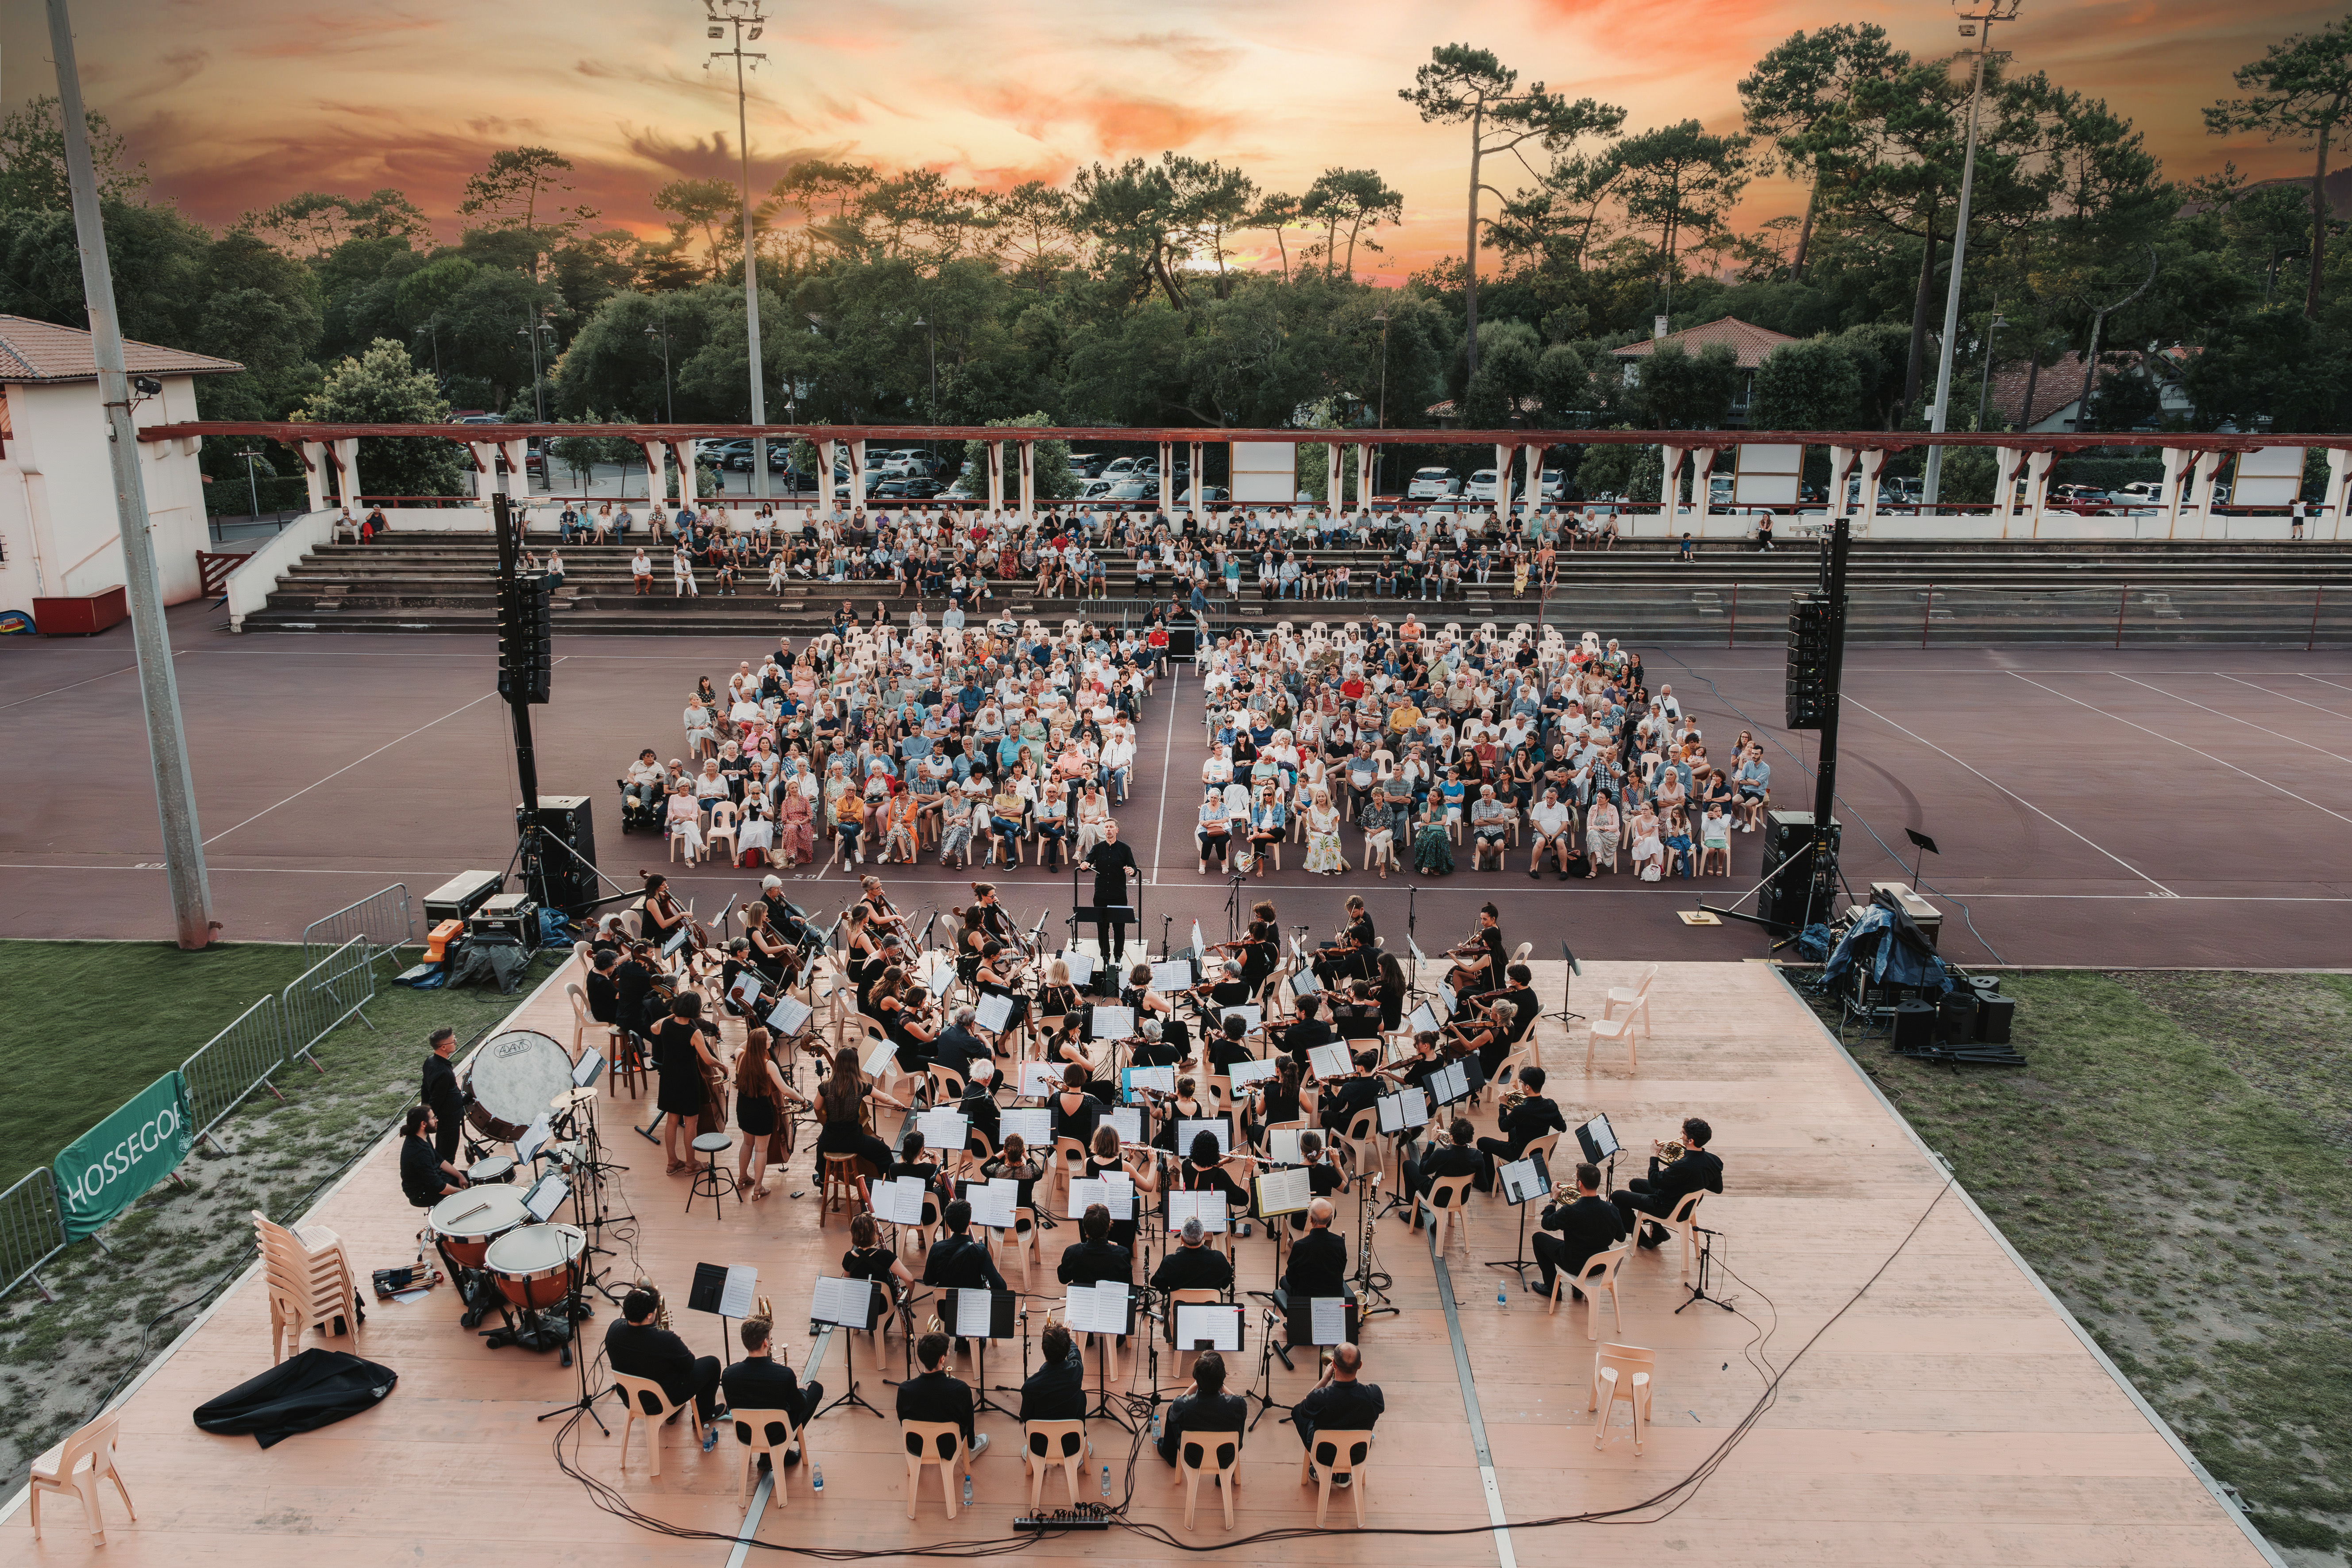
515	1077
490	1169
466	1223
533	1265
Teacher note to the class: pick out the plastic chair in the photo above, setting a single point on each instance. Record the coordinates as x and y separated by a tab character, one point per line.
1635	1002
1026	1244
723	825
1364	1139
937	1443
1599	1273
308	1283
1046	1443
1682	1222
1449	1198
1621	1372
581	1023
769	1432
648	1403
75	1465
1335	1452
1226	1470
1067	1159
1613	1029
1196	1295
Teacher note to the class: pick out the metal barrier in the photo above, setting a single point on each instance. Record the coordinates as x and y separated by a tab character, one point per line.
236	1062
32	1230
384	916
326	994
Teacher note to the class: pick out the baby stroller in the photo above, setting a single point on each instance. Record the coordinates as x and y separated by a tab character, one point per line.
636	814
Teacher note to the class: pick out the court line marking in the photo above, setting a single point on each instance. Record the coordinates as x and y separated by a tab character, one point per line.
2012	794
2187	747
2268	691
1167	760
1500	1532
2338	684
53	691
347	767
2233	717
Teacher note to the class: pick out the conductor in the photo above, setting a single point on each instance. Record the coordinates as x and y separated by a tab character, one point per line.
1113	863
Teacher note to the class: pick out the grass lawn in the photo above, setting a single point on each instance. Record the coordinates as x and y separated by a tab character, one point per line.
2174	1164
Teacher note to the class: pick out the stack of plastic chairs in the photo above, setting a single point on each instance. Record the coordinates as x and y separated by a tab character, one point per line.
310	1282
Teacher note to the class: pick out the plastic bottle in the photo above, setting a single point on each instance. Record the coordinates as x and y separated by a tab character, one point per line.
967	1488
816	1479
1502	1299
1105	1480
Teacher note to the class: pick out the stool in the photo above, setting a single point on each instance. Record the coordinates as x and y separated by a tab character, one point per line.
840	1186
711	1180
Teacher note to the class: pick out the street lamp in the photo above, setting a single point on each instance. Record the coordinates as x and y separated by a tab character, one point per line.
931	339
1976	24
251	489
537	380
1984	392
428	330
661	335
742	17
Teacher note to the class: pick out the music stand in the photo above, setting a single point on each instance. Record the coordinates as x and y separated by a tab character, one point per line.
1105	976
1926	846
1102	1406
1523	1181
1567	982
846	1304
999	1325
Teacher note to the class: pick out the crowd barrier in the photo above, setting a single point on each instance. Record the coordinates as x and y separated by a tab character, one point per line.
384	916
32	1230
230	1066
326	994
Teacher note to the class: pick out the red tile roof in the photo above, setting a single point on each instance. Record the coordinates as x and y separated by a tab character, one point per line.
43	350
1749	341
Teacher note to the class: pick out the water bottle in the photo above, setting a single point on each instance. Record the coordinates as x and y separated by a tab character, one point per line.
967	1488
816	1479
1105	1480
1502	1300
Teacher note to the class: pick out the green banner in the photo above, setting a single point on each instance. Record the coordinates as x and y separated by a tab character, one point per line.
107	1169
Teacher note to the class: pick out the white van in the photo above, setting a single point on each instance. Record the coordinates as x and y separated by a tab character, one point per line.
1432	484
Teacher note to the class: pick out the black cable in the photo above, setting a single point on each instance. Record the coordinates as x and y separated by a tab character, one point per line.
1767	730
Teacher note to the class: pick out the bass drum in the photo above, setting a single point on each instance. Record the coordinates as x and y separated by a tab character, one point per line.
533	1265
466	1223
514	1079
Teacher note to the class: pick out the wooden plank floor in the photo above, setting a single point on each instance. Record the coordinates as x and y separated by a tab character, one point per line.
1949	1417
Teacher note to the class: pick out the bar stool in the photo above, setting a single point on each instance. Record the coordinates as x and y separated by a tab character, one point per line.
711	1180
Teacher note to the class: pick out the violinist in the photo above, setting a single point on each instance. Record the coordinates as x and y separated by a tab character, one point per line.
1307	1031
663	919
1076	1112
1104	1158
1203	1171
1483	1029
1478	963
1185	1106
1153	1051
1014	1163
907	1019
1356	1015
1353	954
994	978
1527	1116
1324	1176
1262	949
1229	989
1093	1058
1392	990
1272	1099
1344	1098
1228	1044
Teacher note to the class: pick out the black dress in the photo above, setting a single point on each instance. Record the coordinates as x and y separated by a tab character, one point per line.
756	1115
680	1067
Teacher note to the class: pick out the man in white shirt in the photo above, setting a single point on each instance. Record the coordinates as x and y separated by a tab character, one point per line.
1117	759
1555	825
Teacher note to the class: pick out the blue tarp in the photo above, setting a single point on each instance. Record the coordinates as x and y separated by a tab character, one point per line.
1894	949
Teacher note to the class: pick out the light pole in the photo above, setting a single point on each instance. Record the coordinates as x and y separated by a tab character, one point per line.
1976	24
931	341
661	335
743	18
1984	392
252	489
428	330
538	379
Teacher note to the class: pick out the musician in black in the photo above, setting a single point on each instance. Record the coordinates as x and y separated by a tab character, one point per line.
636	1347
1307	1031
1480	961
937	1394
1261	949
1203	1171
605	990
786	925
1521	995
1157	1049
1318	1264
1074	1112
1093	1256
1351	957
1113	863
1227	1045
633	984
1106	1158
681	1059
1668	1185
1230	988
962	1261
1587	1223
1194	1265
1344	1098
1056	1391
1520	1125
760	1381
1455	1157
661	917
442	1095
981	1115
425	1176
957	1048
1324	1176
1204	1412
1357	1014
1273	1100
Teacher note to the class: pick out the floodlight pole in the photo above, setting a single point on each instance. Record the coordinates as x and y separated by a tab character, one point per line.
1998	11
159	687
740	15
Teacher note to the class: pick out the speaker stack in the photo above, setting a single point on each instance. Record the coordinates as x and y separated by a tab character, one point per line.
555	879
1791	836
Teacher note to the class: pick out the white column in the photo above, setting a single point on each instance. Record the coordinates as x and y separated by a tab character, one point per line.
1874	458
996	477
1028	481
517	454
1200	483
1671	459
856	475
1841	472
2037	489
828	453
1502	480
2005	460
2201	488
347	471
2176	458
688	491
484	457
1368	475
314	472
1334	479
1535	451
1702	466
1168	477
2332	500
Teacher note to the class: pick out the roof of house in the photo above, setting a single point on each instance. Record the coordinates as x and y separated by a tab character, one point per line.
2061	383
1526	403
1748	340
43	350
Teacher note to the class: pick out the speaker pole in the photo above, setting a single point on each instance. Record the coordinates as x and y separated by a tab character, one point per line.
1832	584
517	690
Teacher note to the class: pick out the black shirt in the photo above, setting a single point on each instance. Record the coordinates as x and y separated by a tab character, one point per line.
1055	1392
1318	1264
961	1263
441	1091
1110	864
1591	1224
1202	1267
1092	1262
421	1175
641	1350
937	1397
764	1382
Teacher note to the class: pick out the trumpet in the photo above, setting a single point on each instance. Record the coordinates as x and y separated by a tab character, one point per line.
661	1305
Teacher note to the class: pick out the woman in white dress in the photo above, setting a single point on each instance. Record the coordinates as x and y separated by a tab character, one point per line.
758	829
1649	852
686	821
1323	856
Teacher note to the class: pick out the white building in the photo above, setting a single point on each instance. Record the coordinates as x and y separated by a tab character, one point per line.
58	533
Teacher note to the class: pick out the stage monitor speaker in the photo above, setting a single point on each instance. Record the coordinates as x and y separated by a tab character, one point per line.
1994	1016
1956	1018
460	896
559	880
1791	836
1915	1027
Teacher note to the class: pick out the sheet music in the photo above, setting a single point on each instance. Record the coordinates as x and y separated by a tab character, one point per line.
1209	1208
993	1012
943	1128
1188	1129
975	1307
1039	1080
591	1067
1407	1107
882	1054
1444	994
1420	1020
1119	1195
1448	1084
1172	976
1244	1074
1218	1324
1116	1193
532	1141
676	940
1329	1326
1284	1191
992	1203
899	1201
938	973
746	988
789	1016
847	1302
1251	1016
1099	1308
1128	1119
546	1196
1199	947
1303	984
741	1295
1082	967
1110	1023
1161	1079
1034	1123
1419	957
1282	1145
1525	1179
1598	1138
1330	1061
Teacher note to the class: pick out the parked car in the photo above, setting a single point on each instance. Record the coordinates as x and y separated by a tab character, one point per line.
735	455
1481	486
1095	488
2142	493
1118	468
1087	465
1132	490
1210	493
1434	484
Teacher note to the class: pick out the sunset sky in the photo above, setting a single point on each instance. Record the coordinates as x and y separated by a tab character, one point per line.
236	104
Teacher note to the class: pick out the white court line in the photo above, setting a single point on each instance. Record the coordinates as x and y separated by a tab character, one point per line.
2233	717
1167	760
347	767
2338	684
2187	747
2012	794
2269	691
38	695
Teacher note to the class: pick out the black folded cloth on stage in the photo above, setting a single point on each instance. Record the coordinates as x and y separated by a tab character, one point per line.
317	1388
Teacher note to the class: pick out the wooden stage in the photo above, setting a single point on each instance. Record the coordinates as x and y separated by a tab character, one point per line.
1951	1415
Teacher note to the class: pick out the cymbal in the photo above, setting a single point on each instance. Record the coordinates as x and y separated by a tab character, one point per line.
572	1099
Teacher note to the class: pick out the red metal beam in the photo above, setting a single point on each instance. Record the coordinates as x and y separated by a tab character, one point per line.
1875	440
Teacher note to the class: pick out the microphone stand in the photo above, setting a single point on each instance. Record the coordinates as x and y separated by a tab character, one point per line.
1698	1291
1368	1293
